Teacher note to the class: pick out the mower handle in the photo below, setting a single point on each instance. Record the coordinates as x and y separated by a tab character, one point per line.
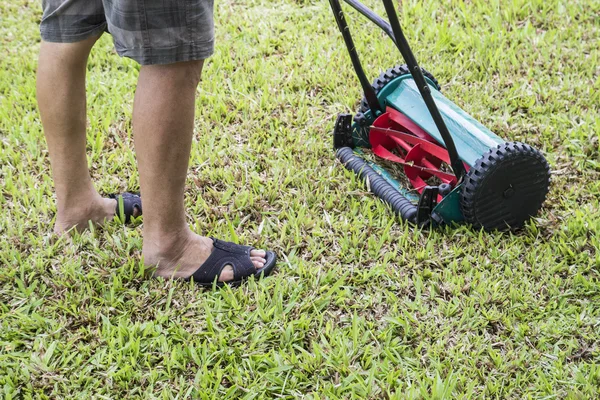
368	90
402	44
373	17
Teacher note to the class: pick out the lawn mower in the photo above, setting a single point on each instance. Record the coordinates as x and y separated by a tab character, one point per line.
455	169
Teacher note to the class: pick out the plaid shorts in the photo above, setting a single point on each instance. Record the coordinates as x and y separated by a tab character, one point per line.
148	31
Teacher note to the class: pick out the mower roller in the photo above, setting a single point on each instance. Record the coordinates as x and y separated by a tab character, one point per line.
457	169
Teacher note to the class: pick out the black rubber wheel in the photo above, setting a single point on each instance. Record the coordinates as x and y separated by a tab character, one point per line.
505	187
387	76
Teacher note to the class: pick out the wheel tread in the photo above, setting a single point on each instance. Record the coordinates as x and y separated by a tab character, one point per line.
528	171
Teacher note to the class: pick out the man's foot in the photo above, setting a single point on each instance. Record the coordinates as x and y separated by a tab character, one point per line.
78	215
179	256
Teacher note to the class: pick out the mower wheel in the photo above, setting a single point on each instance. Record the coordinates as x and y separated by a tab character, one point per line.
388	76
505	187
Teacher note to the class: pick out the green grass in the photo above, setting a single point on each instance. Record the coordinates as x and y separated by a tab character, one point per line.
362	305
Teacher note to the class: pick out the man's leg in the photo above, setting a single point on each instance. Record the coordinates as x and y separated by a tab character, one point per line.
62	105
163	122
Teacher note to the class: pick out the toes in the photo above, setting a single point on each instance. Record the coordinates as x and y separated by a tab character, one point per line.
258	253
259	259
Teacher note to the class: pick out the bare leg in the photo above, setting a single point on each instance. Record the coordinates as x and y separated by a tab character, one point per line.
62	104
163	122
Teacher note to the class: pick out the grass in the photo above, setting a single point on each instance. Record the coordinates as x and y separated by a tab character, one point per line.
362	305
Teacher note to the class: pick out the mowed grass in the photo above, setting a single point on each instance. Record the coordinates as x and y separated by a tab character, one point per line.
361	305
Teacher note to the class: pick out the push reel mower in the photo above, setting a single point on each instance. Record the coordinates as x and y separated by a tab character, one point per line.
456	169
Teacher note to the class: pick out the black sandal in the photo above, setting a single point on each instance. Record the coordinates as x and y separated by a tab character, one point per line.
238	256
131	201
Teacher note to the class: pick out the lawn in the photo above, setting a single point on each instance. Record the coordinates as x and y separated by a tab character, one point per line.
361	305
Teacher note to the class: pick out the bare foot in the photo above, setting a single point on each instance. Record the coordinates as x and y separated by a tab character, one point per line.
78	216
179	256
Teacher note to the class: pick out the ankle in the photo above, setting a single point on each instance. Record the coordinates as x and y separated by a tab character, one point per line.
167	253
162	244
69	202
82	205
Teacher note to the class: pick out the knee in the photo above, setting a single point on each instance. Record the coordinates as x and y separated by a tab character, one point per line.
192	72
188	73
182	74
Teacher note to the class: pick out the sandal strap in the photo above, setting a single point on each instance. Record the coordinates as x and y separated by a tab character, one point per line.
131	201
225	253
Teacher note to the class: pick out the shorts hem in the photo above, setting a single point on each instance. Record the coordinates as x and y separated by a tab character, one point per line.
59	36
169	55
